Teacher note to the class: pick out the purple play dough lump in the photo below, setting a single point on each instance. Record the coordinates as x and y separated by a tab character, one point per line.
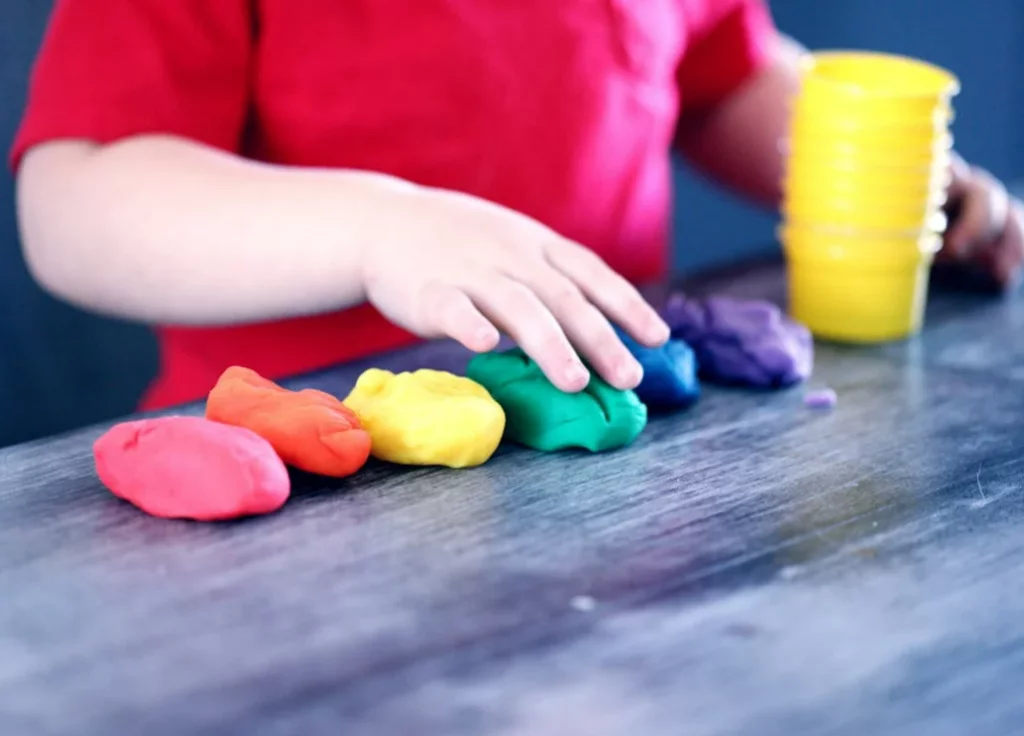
823	399
739	342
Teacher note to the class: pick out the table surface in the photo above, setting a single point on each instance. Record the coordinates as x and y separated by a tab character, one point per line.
748	567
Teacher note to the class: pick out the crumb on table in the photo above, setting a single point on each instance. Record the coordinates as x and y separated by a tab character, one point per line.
821	399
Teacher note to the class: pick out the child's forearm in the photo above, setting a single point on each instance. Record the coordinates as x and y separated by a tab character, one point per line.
165	230
168	231
737	142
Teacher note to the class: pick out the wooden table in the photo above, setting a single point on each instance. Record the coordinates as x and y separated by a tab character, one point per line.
749	567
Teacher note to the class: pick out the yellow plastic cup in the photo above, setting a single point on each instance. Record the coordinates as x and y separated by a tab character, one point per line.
848	133
856	288
828	110
850	185
839	213
888	141
925	200
880	84
889	181
807	151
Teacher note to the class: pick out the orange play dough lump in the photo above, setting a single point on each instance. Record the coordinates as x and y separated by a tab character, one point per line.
310	430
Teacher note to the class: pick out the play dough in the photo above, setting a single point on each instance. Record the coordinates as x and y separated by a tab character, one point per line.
310	430
427	418
541	416
670	373
741	342
191	468
822	399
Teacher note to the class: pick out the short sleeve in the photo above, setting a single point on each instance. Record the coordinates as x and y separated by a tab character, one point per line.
733	42
110	69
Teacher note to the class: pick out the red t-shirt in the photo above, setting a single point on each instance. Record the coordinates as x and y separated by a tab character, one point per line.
564	110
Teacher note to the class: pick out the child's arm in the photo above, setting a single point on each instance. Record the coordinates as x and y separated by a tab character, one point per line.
167	230
738	141
163	230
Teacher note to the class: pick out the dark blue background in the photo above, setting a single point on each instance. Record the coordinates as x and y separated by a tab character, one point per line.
60	369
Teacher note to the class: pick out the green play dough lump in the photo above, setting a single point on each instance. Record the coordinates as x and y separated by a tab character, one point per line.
539	415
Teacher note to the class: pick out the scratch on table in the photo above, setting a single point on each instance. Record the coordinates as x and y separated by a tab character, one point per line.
984	500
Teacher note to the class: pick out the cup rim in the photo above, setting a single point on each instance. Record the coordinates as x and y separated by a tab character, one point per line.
871	167
815	101
812	64
840	125
859	235
810	108
862	250
863	234
873	159
888	202
825	176
895	219
936	221
798	136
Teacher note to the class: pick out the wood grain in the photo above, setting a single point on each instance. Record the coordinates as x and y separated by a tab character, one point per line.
755	568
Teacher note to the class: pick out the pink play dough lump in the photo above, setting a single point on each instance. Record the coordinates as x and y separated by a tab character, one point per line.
191	468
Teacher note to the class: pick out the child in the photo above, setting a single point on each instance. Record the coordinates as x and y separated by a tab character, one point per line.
287	184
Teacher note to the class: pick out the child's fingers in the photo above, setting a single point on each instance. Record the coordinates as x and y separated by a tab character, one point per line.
453	314
961	175
611	293
522	315
587	329
983	212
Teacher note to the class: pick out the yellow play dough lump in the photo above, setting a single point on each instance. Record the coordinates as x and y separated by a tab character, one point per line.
427	417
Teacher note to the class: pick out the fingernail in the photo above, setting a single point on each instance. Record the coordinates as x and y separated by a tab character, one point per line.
629	373
577	376
660	332
484	338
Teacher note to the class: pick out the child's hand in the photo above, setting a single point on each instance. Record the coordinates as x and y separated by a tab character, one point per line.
456	266
988	226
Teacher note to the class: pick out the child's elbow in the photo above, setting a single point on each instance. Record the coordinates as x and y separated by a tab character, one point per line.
45	271
45	207
37	238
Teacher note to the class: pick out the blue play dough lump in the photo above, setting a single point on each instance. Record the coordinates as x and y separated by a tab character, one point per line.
670	373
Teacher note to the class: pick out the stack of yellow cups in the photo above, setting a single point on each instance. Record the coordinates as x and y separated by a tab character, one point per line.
868	170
